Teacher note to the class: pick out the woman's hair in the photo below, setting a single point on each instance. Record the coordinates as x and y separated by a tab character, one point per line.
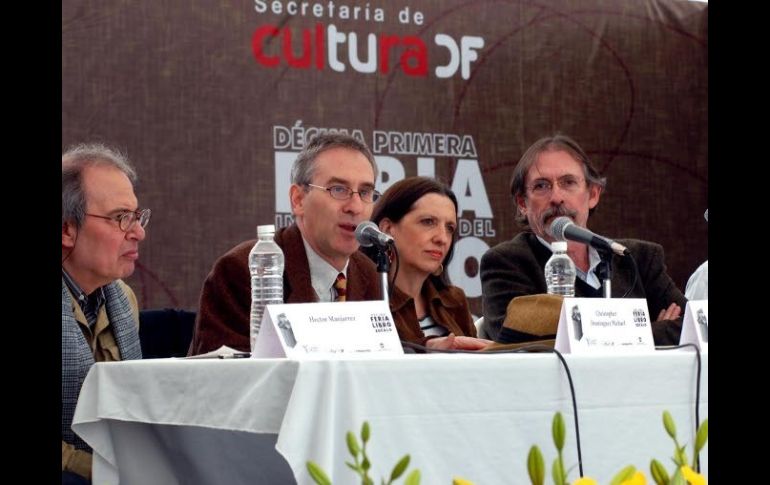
399	200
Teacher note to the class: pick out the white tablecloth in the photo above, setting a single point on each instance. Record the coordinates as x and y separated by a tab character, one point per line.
172	421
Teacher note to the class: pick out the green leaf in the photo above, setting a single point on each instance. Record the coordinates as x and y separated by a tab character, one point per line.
668	423
317	474
659	472
701	436
536	466
353	467
623	475
365	465
365	432
413	478
681	457
352	444
400	468
558	431
678	478
557	470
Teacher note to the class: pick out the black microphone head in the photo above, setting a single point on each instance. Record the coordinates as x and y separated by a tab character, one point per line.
362	239
556	230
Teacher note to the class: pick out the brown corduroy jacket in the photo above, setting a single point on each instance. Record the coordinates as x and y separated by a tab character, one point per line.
225	304
447	307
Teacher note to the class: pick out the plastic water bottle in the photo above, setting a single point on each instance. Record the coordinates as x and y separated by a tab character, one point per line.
266	266
560	271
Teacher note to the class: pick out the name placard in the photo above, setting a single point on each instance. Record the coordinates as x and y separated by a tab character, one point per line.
302	330
604	325
695	327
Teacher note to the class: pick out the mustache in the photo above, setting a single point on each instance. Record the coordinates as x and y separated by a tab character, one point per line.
556	211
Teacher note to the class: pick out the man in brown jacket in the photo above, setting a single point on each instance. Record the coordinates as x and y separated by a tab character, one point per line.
332	191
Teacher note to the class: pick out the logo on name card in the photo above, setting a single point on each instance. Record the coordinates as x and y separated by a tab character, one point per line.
286	331
577	322
695	327
703	323
381	323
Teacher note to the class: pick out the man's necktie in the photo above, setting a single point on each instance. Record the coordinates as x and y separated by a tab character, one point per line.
340	285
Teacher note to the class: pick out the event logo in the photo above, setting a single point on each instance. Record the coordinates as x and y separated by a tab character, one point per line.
322	46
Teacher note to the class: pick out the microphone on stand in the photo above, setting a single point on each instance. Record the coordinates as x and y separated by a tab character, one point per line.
368	234
562	228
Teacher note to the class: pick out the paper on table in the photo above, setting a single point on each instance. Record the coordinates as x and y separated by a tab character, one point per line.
214	354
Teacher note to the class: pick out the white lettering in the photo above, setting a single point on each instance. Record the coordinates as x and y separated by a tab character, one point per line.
467	247
468	186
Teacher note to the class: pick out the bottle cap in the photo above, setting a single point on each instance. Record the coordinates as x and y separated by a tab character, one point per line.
266	229
559	246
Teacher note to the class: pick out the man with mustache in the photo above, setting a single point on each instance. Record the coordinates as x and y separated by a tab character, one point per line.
101	231
332	191
555	178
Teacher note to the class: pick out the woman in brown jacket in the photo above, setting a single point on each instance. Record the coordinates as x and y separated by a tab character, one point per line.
421	215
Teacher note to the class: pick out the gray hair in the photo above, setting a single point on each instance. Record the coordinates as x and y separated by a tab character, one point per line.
556	142
73	162
304	167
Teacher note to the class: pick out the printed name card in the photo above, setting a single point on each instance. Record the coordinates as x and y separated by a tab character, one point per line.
604	325
695	327
303	330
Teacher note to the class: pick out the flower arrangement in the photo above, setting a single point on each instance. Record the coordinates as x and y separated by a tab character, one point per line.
683	473
362	465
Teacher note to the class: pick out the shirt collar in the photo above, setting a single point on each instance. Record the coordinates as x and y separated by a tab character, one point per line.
322	274
90	304
79	294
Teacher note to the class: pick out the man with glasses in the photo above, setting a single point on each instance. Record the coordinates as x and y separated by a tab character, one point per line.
101	231
555	178
332	191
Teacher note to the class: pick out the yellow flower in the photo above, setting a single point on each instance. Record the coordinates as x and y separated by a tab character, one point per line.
585	481
637	479
692	477
461	481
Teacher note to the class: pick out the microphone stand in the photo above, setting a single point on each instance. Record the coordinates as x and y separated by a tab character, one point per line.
604	271
383	267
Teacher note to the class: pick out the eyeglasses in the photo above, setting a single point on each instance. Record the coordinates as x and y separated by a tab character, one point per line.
127	219
544	187
340	192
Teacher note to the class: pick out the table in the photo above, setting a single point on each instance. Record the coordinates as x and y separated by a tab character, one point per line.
167	421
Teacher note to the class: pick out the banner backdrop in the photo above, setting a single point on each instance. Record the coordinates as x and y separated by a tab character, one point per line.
212	100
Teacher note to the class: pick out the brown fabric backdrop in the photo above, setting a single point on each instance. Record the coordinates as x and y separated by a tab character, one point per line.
178	86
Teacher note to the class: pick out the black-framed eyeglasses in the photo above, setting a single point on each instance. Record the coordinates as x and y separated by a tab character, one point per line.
340	192
127	219
544	187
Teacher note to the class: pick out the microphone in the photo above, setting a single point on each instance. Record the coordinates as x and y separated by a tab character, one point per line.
562	228
368	234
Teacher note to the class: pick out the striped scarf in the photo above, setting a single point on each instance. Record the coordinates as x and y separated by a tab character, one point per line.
77	357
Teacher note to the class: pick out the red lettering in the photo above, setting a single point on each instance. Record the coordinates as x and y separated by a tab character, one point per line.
302	62
419	53
319	46
386	42
257	42
413	60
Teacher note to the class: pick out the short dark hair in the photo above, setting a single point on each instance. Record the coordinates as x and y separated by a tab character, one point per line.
399	200
304	167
